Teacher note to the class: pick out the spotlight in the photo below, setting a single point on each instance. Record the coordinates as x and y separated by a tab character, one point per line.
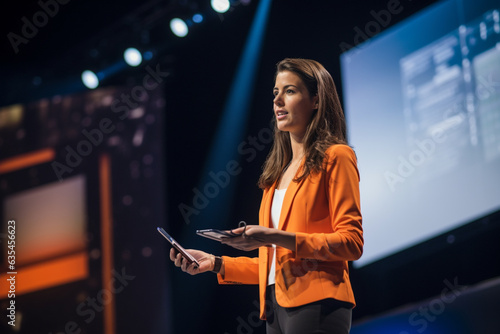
132	57
220	6
179	27
197	18
90	79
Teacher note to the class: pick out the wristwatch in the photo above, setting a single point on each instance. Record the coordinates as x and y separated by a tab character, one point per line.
217	264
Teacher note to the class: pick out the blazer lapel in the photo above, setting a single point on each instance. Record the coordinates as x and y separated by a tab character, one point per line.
290	193
268	202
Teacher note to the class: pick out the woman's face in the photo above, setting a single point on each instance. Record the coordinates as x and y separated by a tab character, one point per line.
293	106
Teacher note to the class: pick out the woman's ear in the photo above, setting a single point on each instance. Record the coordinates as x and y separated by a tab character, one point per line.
316	101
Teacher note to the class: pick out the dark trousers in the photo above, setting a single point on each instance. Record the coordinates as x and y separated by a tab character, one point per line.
328	316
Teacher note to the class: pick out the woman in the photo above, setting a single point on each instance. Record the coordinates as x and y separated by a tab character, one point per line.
309	220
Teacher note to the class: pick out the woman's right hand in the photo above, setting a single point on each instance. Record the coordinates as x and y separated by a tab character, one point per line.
205	260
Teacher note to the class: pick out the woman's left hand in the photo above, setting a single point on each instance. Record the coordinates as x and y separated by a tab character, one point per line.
255	236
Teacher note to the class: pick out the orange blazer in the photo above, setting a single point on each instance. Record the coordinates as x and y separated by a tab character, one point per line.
324	212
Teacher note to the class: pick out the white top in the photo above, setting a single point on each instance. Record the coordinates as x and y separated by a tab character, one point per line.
279	195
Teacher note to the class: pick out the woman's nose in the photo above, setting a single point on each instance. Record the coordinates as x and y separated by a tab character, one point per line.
277	100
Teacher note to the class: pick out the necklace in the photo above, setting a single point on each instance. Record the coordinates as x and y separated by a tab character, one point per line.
290	162
283	172
288	165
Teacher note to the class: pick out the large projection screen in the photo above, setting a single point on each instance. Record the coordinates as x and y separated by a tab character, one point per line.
422	103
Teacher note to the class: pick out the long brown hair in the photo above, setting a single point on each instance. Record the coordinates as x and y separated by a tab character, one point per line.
327	126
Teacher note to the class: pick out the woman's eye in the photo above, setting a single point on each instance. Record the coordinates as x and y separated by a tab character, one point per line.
290	91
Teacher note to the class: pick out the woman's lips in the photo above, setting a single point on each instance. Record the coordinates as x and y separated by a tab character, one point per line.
281	114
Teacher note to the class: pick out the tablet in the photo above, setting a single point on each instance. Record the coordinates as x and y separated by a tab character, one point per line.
215	234
189	258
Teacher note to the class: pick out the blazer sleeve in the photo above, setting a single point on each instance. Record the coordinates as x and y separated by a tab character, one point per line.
345	243
240	270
